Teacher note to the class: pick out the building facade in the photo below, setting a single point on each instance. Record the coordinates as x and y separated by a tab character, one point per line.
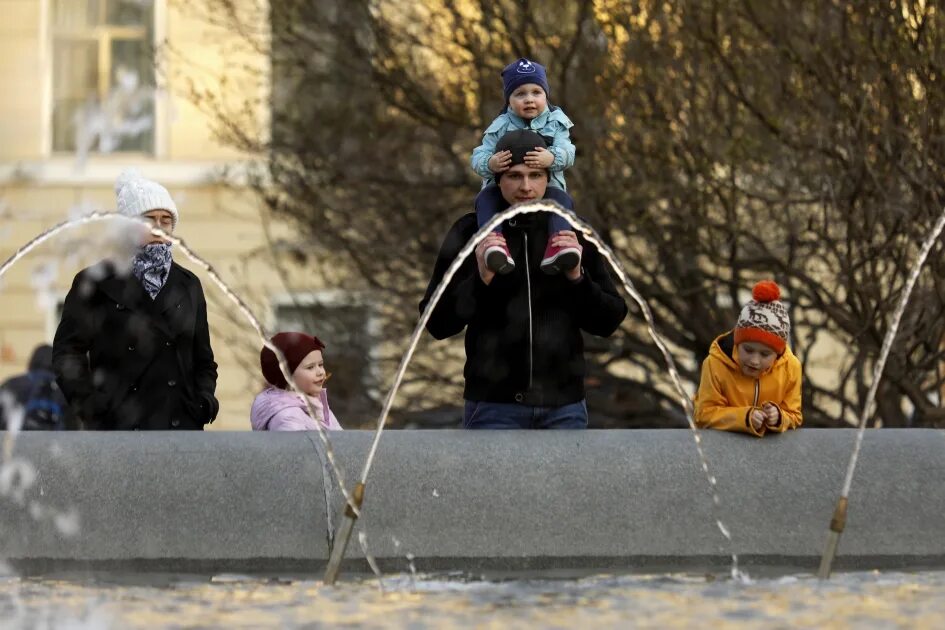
92	87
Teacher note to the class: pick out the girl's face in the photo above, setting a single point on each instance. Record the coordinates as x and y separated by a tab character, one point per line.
310	375
755	358
528	101
160	219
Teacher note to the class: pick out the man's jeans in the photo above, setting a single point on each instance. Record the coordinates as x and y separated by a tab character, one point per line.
487	415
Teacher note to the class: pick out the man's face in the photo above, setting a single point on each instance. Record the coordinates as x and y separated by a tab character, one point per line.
522	183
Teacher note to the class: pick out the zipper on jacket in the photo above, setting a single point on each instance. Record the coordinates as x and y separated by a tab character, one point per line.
528	284
757	392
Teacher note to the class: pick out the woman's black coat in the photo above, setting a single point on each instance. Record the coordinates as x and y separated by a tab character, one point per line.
126	361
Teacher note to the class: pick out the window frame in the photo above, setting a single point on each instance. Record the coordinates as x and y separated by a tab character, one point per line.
371	381
48	34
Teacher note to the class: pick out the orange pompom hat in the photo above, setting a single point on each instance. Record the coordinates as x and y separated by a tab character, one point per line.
764	319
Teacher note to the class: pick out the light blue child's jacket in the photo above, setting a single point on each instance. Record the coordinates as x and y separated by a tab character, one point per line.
553	124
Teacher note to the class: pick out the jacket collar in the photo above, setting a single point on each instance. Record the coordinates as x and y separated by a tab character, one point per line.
535	123
727	344
170	298
127	292
124	289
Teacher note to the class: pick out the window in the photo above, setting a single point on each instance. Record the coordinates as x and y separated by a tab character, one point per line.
345	323
103	76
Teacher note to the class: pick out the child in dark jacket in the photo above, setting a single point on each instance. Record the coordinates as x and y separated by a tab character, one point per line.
525	87
751	381
33	401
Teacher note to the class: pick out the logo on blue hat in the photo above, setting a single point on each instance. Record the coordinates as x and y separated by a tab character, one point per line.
525	67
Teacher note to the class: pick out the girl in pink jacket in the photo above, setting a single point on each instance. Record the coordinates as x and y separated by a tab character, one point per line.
278	408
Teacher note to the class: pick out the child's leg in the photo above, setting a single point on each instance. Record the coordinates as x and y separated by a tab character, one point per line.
556	222
558	259
498	258
487	205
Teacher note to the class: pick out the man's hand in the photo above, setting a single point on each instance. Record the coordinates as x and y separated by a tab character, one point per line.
757	419
772	414
500	162
567	238
494	238
539	158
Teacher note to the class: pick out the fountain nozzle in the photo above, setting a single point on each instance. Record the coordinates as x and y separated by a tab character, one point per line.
357	497
837	524
344	534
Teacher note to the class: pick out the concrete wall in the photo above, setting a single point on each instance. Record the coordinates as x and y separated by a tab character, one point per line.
598	500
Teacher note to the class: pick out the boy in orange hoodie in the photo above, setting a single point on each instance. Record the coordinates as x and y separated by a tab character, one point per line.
751	381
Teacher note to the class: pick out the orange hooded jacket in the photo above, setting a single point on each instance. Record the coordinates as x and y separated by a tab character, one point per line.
726	396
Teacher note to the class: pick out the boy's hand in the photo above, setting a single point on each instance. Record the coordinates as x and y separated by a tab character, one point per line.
539	158
772	414
757	419
500	162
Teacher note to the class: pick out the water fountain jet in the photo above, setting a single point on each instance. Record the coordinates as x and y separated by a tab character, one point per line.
350	515
839	519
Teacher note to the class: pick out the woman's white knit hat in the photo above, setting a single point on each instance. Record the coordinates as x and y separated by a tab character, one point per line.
137	195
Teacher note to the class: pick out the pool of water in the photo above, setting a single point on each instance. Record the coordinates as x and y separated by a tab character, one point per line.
862	600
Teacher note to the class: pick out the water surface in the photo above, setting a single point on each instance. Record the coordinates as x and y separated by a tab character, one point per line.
863	600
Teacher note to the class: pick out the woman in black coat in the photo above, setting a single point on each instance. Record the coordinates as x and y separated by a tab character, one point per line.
132	351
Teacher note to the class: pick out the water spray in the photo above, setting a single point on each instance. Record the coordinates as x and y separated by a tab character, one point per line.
839	520
351	511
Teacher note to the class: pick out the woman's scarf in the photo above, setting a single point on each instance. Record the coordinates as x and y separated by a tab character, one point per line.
151	266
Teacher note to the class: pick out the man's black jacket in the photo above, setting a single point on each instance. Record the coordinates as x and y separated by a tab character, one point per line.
523	330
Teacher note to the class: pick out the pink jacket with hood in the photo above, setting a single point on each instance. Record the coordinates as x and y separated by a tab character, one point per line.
283	410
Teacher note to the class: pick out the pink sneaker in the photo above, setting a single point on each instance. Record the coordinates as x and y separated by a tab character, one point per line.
499	260
558	259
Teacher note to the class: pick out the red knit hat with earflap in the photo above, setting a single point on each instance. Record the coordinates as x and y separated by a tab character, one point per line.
764	319
295	346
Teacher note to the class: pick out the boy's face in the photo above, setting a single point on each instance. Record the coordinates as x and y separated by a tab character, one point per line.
755	358
528	101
